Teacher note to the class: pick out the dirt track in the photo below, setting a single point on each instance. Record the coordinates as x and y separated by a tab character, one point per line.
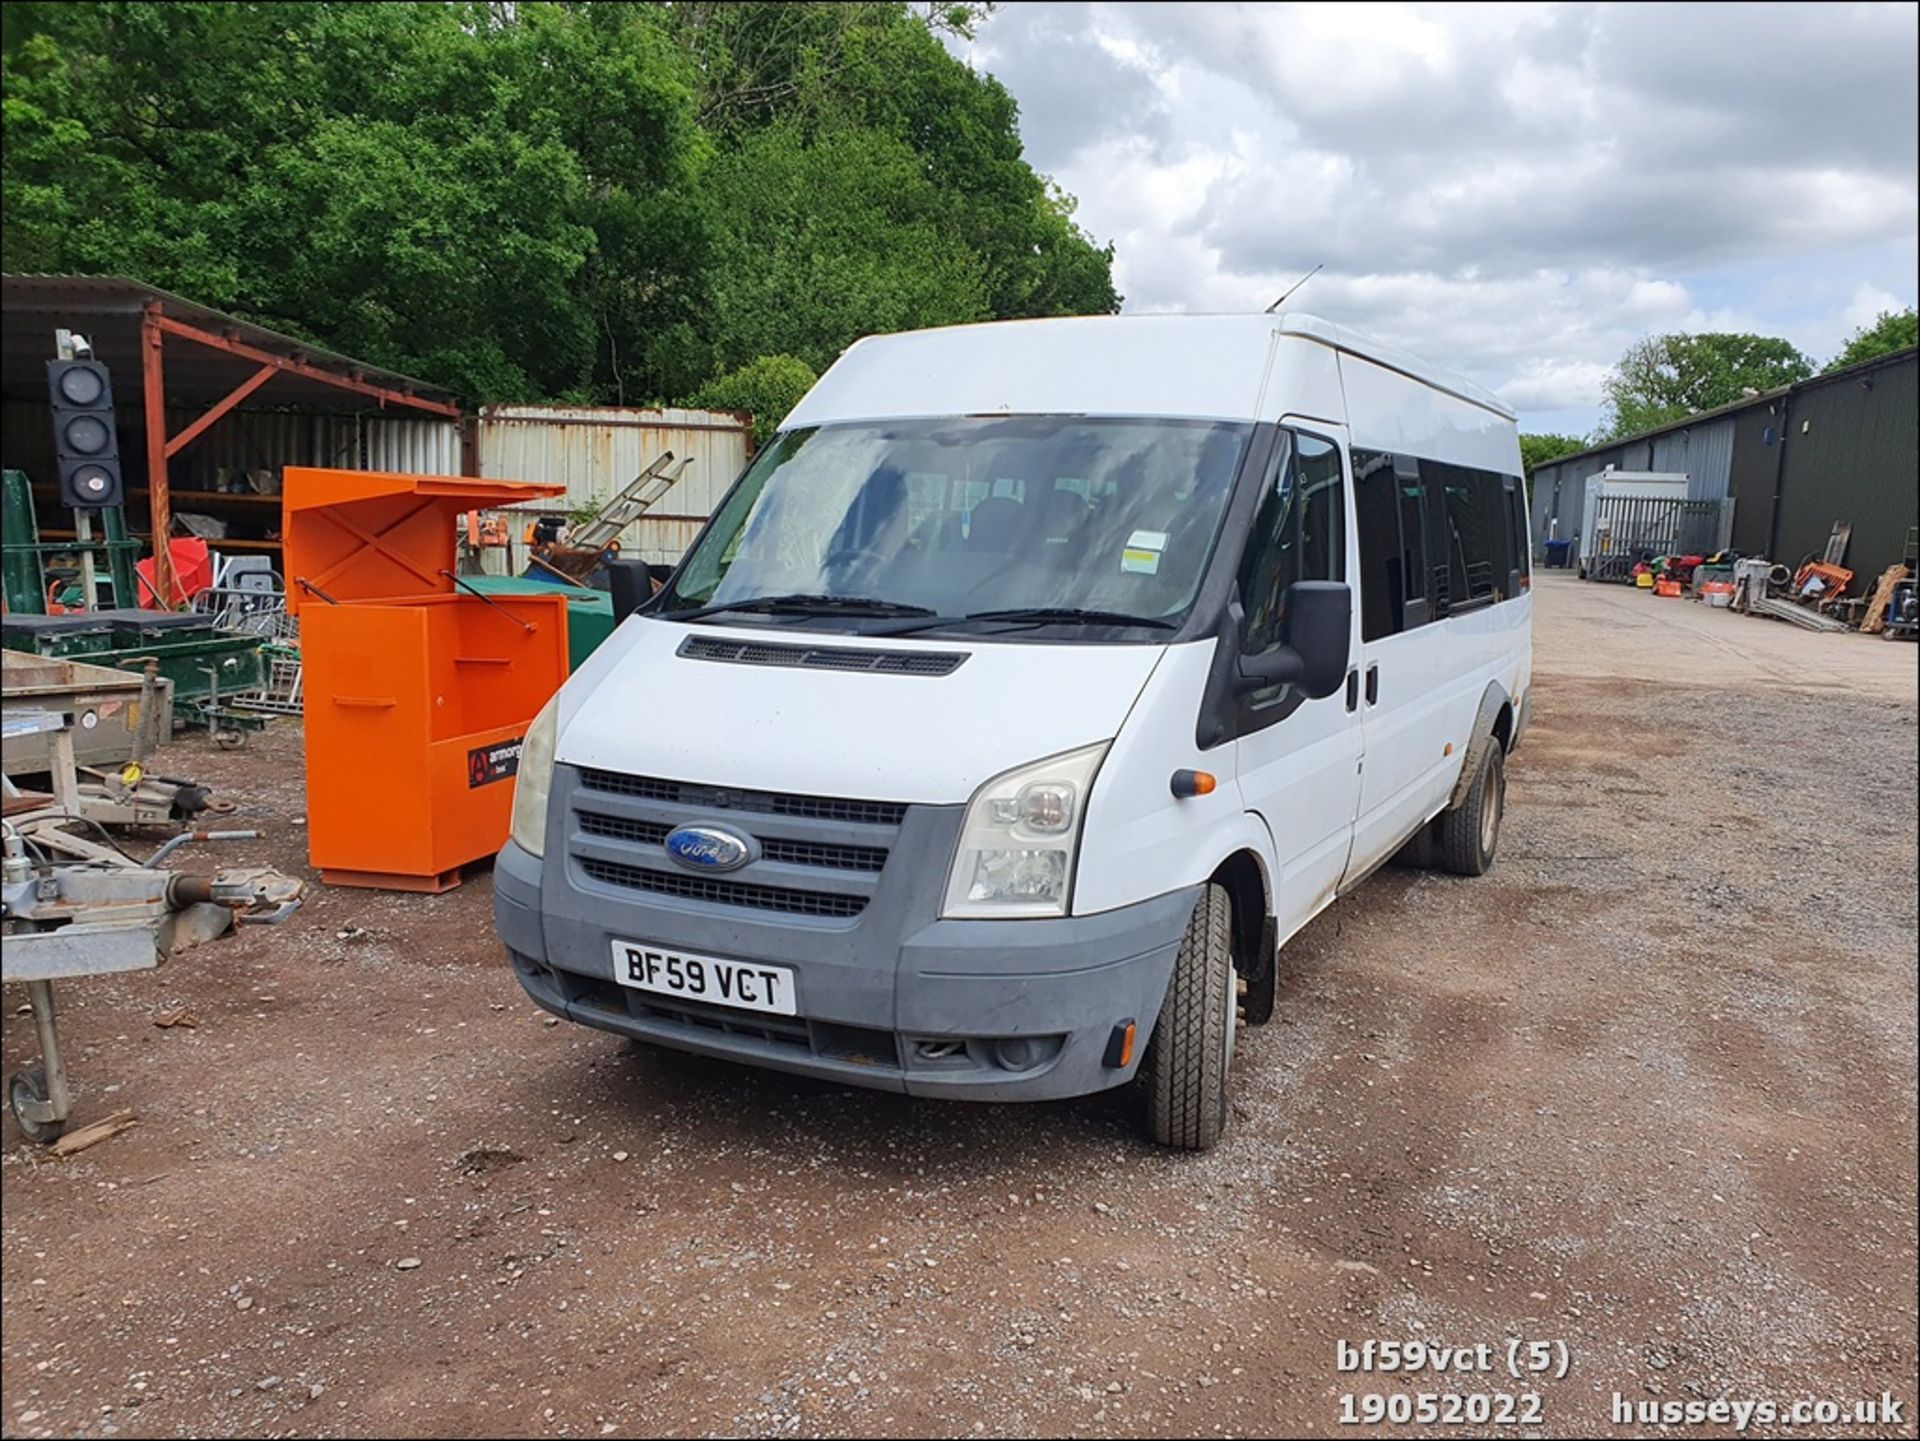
1647	1089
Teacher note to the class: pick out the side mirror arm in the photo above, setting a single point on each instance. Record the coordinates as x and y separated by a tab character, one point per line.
1283	665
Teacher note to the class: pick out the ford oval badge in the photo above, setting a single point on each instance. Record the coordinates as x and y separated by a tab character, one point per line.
709	848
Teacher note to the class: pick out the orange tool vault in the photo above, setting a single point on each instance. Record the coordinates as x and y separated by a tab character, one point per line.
418	692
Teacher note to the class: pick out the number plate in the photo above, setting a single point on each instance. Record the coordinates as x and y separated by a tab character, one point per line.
745	984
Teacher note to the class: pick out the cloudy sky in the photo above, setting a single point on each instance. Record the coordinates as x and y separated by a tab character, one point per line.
1516	190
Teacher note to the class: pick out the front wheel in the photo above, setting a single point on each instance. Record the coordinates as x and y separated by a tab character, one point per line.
1192	1046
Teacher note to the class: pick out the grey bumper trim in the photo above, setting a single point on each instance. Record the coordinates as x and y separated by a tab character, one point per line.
877	1003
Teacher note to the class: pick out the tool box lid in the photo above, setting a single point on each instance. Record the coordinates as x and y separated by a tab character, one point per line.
153	622
374	535
26	624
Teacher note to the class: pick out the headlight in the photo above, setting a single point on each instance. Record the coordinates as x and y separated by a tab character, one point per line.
534	780
1018	842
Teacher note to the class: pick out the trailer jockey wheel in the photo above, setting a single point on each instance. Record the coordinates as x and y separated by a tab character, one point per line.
27	1094
230	740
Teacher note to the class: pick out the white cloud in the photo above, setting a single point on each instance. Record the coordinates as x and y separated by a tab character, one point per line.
1518	191
1869	303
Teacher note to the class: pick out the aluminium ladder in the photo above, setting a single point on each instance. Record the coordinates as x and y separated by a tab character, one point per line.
641	493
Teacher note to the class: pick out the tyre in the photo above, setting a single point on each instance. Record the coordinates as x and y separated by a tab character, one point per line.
1468	835
1187	1060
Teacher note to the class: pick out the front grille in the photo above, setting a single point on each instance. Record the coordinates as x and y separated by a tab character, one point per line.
796	853
648	833
723	798
813	657
724	892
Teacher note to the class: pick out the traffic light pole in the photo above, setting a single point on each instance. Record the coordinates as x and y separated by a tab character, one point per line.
83	537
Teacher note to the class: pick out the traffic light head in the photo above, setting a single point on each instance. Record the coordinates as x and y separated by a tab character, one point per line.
84	444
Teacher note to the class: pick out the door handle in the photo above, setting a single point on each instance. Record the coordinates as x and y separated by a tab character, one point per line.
1353	690
1373	685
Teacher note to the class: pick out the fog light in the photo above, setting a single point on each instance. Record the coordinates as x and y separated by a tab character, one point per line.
1015	1054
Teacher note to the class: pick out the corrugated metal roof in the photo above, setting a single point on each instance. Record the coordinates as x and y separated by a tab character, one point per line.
107	310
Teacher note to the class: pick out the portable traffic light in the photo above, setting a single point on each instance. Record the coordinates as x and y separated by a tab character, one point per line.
84	444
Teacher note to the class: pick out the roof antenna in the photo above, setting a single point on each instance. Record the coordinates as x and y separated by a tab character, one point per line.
1296	285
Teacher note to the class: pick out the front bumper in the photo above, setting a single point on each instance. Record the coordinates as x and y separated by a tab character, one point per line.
927	1008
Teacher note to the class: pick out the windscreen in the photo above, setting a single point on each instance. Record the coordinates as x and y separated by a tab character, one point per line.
955	517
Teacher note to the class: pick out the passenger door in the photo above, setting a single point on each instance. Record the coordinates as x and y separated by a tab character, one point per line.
1404	660
1298	760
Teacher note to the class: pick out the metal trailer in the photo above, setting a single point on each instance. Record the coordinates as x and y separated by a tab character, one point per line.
71	906
120	715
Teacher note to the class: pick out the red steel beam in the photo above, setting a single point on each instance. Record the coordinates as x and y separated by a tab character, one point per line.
385	395
160	520
239	393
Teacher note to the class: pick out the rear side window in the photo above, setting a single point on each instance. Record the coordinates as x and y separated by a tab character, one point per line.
1383	577
1435	539
1517	530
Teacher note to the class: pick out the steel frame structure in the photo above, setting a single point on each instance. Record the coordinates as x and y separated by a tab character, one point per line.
155	326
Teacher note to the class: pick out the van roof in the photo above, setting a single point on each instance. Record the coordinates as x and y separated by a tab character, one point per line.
1164	364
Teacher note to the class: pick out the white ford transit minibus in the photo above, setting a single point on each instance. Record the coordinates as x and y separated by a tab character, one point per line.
1025	695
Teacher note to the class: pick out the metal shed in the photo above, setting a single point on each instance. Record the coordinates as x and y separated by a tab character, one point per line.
202	398
1840	448
1850	454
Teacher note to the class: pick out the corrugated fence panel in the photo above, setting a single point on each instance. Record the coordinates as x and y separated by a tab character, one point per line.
410	446
597	451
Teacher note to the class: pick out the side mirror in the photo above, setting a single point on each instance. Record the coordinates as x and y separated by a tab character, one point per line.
1314	642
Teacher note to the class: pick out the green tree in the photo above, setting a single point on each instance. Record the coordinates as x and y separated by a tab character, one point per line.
768	388
824	240
442	188
1893	330
1665	378
549	199
1537	450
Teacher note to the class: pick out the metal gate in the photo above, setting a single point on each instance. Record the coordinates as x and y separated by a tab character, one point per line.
1628	529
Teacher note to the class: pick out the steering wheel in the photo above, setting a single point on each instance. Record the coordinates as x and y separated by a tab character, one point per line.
853	557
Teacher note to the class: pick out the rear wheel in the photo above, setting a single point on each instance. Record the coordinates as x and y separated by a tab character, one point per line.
1191	1051
1468	835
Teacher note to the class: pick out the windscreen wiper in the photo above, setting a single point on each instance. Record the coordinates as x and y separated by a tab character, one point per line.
802	604
1044	613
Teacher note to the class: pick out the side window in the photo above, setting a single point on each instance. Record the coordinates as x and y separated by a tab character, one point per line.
1299	533
1416	607
1383	588
1517	529
1469	508
1323	509
1264	566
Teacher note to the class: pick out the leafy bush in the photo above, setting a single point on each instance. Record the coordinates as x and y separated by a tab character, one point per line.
769	387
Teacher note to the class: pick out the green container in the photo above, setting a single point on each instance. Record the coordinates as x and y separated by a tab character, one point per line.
60	637
237	662
589	612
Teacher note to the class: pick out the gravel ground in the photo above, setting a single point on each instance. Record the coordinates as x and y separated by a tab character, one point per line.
1647	1089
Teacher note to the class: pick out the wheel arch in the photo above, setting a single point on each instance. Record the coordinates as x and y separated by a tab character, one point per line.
1243	875
1492	725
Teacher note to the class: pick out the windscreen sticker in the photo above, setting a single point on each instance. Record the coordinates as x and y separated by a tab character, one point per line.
1141	554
